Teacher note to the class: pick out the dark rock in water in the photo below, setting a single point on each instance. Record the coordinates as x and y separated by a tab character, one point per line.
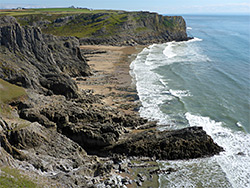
187	143
241	153
159	171
38	61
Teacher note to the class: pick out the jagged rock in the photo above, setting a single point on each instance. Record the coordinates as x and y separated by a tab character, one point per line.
38	61
52	154
3	125
90	126
138	183
187	143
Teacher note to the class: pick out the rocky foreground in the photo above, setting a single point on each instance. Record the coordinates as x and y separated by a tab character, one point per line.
59	135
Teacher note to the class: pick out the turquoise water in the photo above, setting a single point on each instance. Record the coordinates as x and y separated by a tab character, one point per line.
202	82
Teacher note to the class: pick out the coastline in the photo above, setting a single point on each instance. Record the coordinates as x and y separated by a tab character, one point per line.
94	119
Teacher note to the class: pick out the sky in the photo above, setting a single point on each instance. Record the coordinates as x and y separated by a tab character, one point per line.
160	6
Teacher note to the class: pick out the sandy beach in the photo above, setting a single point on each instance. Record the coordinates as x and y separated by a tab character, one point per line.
111	78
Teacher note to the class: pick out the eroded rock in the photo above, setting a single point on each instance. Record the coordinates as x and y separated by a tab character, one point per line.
38	61
187	143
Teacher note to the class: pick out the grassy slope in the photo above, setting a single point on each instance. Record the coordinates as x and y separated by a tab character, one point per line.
79	27
10	92
13	178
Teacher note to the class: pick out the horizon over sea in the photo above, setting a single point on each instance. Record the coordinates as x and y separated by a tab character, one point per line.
202	82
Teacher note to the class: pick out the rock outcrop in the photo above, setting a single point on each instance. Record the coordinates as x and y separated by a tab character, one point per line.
192	142
81	120
38	61
50	154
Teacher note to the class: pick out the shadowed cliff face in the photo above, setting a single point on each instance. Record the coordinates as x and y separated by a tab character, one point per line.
39	61
116	28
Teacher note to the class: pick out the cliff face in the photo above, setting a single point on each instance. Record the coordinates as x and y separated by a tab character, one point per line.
39	61
116	28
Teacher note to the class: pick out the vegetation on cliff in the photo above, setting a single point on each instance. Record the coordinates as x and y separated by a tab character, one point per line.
105	26
10	92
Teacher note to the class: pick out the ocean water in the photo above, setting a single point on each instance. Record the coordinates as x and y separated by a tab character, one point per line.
202	82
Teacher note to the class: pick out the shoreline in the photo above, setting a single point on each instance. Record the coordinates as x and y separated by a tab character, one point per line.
111	78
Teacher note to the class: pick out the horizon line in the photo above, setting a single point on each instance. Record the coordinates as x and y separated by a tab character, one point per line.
204	13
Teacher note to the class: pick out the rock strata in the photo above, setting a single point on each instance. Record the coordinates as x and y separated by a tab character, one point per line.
38	61
53	155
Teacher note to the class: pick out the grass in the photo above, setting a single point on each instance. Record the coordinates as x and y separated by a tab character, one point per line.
86	25
10	92
90	23
15	12
14	179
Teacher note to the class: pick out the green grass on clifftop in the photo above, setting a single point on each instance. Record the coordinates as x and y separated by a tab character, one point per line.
82	22
15	12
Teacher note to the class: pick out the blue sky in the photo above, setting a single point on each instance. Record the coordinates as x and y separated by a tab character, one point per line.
161	6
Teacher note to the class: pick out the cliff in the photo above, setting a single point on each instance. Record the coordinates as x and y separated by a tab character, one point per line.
111	27
39	61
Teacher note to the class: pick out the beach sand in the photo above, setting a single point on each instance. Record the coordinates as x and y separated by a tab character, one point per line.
111	78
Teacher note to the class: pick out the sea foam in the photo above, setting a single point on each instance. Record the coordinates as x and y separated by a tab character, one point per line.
168	52
152	89
235	161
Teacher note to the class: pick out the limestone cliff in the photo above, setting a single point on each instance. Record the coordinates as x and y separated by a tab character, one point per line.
112	27
39	61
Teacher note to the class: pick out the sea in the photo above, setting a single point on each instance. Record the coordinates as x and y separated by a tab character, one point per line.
202	82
